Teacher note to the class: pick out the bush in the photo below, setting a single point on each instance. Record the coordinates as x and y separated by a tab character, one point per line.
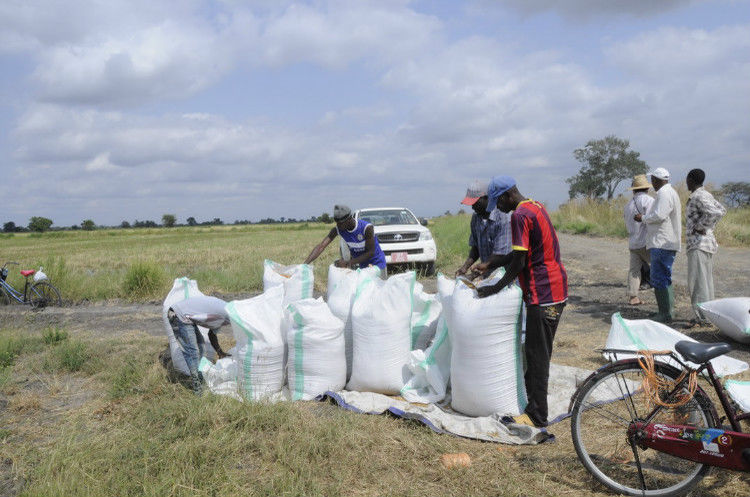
52	335
144	279
69	356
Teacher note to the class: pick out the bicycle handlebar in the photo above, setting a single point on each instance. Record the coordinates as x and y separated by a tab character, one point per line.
10	262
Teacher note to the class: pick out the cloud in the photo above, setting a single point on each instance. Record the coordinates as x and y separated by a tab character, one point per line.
588	9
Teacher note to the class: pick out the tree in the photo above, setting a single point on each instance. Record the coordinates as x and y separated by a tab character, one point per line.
217	221
39	224
9	227
736	193
191	221
606	163
168	220
124	224
324	218
88	225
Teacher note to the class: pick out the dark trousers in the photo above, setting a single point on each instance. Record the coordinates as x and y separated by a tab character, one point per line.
541	326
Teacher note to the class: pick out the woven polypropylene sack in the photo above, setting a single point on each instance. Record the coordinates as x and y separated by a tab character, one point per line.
317	360
381	331
342	285
486	357
260	348
297	280
430	368
182	289
731	316
426	309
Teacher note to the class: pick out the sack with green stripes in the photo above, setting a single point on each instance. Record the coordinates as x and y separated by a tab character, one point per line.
731	316
381	332
182	289
297	280
425	311
486	350
260	347
342	286
431	369
316	362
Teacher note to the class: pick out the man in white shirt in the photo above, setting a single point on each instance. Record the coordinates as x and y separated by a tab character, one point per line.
663	231
703	212
639	257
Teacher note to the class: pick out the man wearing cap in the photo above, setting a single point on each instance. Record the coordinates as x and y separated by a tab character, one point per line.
490	240
359	236
663	231
639	258
702	213
536	263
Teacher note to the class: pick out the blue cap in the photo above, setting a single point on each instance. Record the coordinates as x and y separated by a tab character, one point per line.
498	186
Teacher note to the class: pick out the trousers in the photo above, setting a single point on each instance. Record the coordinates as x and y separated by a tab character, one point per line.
700	279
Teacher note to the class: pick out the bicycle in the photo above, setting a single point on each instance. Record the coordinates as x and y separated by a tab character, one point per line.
645	427
38	293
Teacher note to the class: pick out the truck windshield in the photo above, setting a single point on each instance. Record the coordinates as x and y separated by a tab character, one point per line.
382	217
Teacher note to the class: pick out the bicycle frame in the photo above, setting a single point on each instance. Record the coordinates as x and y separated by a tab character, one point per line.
712	446
21	298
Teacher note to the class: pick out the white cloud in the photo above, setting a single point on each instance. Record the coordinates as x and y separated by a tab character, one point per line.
587	9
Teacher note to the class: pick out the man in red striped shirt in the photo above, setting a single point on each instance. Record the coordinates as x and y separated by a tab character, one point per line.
536	263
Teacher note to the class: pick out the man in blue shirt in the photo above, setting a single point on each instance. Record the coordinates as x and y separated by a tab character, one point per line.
360	238
490	238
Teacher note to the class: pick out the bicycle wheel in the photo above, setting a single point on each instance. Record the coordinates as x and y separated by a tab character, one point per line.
4	297
604	408
43	294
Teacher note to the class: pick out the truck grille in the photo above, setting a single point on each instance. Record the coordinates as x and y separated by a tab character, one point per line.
398	237
410	251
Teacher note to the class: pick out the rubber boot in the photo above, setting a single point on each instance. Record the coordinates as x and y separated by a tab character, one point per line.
662	301
670	303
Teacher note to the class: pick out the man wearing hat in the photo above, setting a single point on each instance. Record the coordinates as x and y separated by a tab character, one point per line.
490	240
536	263
359	236
663	231
639	258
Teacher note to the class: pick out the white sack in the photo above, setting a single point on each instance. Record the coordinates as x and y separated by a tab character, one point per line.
486	359
431	369
297	280
182	289
644	334
740	393
731	316
342	285
260	347
317	359
381	325
221	378
425	312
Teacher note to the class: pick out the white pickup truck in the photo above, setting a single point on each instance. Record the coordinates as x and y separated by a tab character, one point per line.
404	239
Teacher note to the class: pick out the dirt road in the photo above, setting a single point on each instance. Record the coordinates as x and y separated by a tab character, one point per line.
596	268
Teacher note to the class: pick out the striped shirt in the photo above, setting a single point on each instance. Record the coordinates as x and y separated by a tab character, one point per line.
491	236
543	278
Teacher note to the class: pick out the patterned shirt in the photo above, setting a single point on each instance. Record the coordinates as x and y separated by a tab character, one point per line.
543	279
703	212
491	236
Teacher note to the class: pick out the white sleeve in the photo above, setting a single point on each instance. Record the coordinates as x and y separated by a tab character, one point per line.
660	209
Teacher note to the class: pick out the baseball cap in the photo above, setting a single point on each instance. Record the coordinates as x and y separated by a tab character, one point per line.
660	173
498	185
475	191
341	212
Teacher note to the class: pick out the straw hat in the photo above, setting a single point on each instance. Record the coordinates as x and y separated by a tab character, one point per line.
640	182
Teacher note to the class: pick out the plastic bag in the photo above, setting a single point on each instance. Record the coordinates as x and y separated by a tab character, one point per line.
39	275
317	357
731	316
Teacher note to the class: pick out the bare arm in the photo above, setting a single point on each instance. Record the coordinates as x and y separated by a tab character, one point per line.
514	269
214	340
495	261
319	248
472	257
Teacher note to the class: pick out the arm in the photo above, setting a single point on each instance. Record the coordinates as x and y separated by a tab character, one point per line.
711	211
514	269
472	257
367	254
319	248
660	209
215	344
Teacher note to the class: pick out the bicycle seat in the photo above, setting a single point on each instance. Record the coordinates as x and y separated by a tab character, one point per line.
699	353
28	272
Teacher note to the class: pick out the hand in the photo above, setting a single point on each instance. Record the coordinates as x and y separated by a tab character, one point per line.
700	231
341	263
481	268
638	217
461	271
222	354
486	291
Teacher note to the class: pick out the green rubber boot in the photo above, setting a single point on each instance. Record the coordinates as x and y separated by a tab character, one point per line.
662	301
670	303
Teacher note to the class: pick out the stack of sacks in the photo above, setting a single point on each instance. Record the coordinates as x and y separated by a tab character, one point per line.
182	289
486	359
342	285
317	359
260	348
381	329
297	280
425	312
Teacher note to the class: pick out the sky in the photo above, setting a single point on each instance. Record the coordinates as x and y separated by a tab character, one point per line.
242	110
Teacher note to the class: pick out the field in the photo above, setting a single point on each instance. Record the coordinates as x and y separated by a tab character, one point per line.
85	408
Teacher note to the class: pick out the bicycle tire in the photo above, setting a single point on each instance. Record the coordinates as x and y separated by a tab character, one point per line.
44	294
605	406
